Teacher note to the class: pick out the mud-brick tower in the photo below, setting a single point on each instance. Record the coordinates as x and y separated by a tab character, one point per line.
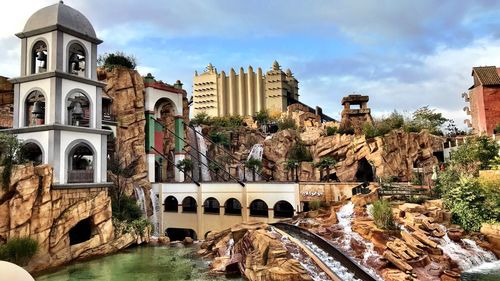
57	98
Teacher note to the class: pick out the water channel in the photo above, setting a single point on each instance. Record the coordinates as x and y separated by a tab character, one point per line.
138	264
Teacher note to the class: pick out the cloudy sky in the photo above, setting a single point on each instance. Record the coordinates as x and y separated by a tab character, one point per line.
403	54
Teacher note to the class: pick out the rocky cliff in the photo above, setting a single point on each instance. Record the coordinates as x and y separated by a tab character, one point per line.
68	224
395	154
126	89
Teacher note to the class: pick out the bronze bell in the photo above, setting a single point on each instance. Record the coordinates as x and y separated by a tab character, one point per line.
77	111
38	109
75	63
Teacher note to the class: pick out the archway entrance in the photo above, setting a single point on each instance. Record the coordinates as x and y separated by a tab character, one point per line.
365	171
283	209
178	234
81	232
164	140
32	152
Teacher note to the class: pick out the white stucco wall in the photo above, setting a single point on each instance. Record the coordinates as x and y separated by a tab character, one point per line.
153	95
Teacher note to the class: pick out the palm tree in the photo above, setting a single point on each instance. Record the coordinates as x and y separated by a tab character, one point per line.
290	165
185	165
325	163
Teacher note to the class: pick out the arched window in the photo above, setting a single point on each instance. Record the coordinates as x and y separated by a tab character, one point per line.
78	110
76	59
39	58
32	152
258	208
283	209
170	204
81	164
211	206
189	205
34	108
232	207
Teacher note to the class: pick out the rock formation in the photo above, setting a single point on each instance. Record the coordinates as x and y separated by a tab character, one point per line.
6	103
30	207
254	251
395	154
126	88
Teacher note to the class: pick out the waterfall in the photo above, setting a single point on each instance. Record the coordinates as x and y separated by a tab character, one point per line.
141	198
154	218
202	147
467	256
255	153
345	216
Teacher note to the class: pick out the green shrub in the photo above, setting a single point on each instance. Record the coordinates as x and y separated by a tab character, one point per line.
382	215
219	138
415	199
470	204
227	121
262	117
127	210
19	250
286	123
140	225
300	153
314	205
330	131
346	131
113	60
497	129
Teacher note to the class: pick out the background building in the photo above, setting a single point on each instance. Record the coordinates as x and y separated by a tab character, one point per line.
218	94
484	100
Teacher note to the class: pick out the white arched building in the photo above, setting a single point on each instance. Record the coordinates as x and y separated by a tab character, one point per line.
57	98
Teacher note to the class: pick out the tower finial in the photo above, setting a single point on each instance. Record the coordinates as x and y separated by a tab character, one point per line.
276	65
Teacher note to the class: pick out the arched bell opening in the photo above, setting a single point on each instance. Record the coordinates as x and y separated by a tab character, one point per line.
39	58
32	152
81	164
77	59
34	109
164	113
78	110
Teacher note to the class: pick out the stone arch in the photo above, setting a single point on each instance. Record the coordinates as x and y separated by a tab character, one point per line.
90	110
364	173
178	234
170	204
35	99
29	151
283	209
165	113
189	205
211	206
40	44
232	207
258	208
80	50
88	174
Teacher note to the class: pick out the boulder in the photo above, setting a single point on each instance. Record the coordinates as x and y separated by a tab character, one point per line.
187	240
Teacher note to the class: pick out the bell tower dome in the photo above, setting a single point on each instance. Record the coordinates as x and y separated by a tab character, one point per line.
57	98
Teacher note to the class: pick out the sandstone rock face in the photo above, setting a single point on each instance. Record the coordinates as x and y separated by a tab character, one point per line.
257	253
29	207
6	103
126	88
492	233
395	154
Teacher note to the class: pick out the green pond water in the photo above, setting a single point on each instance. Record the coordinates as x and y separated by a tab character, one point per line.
138	264
485	272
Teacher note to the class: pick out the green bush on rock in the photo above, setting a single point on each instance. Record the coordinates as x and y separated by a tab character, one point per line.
19	250
382	215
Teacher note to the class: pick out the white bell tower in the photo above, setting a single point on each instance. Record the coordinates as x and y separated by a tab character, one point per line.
57	99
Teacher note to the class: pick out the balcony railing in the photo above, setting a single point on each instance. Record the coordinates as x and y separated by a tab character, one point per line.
80	176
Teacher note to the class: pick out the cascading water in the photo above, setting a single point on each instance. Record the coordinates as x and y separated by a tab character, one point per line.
467	256
141	198
255	153
202	147
154	218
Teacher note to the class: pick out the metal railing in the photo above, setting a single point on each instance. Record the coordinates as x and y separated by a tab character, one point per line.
80	176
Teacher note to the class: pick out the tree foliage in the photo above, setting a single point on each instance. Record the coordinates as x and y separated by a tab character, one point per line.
11	153
286	123
426	118
112	60
299	153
